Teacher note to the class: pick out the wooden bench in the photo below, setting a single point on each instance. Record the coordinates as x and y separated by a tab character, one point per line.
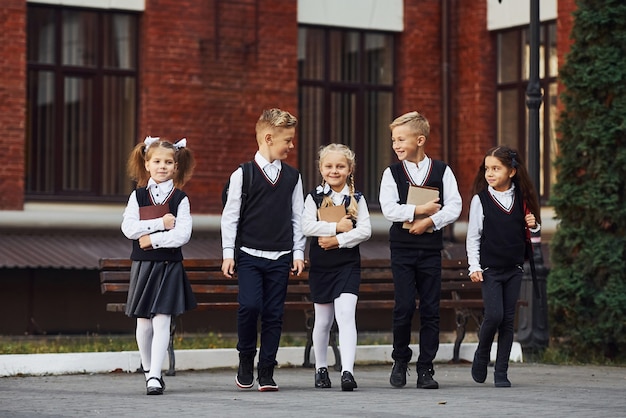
215	292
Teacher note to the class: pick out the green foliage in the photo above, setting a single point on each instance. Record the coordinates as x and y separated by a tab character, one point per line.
587	282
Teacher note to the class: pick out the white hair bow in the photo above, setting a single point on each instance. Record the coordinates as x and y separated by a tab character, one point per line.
180	144
150	140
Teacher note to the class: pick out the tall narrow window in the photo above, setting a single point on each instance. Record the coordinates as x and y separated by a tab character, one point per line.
346	89
513	75
82	102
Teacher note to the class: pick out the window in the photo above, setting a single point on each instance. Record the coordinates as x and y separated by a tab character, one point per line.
513	75
82	102
346	80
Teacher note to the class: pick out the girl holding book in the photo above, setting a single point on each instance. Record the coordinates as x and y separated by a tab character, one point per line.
337	218
157	218
503	211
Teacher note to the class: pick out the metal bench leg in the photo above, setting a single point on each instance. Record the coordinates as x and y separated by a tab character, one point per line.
334	331
461	322
170	349
309	321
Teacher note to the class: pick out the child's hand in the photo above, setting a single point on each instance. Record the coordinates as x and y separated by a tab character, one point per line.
429	208
169	221
228	267
345	224
298	267
328	243
145	243
476	276
531	222
419	226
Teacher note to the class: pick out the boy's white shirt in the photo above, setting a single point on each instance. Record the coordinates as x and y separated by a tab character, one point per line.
230	217
311	227
395	212
134	228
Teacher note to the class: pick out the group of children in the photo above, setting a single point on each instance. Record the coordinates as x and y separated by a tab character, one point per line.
157	218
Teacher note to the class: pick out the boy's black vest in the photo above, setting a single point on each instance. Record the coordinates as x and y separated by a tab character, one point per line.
160	254
265	223
503	241
337	259
400	237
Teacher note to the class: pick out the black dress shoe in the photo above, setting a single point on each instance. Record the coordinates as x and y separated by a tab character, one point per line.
322	380
398	374
155	390
479	369
348	384
425	379
500	380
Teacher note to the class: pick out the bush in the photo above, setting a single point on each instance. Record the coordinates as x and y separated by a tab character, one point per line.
587	282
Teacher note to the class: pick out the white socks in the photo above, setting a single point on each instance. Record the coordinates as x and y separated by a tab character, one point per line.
153	338
343	309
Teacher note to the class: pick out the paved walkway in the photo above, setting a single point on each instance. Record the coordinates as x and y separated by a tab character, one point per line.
538	391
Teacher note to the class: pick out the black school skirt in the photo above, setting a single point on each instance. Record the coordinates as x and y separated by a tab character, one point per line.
327	286
158	287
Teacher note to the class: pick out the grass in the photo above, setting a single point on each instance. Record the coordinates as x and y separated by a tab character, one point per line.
93	343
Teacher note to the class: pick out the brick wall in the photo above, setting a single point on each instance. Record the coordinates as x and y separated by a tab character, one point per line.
472	85
12	102
227	61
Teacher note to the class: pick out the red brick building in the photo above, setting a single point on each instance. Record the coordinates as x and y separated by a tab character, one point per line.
83	81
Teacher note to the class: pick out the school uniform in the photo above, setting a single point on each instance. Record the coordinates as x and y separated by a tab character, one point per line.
416	259
158	281
496	241
339	270
271	238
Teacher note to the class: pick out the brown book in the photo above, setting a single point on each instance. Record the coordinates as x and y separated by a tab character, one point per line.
331	213
153	211
419	195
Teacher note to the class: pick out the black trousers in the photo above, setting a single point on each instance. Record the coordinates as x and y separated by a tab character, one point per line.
416	273
500	289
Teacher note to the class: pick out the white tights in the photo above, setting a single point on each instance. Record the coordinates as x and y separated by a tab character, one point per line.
343	309
153	338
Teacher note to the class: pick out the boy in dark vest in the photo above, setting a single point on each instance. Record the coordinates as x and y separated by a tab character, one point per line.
272	244
416	241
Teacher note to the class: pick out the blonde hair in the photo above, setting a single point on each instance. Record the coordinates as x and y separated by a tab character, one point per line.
414	120
352	208
136	165
276	118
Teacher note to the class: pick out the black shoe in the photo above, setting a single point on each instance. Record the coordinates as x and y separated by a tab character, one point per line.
266	379
425	379
398	374
322	380
500	380
245	373
347	382
155	390
479	369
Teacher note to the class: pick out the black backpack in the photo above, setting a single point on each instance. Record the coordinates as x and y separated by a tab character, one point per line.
248	173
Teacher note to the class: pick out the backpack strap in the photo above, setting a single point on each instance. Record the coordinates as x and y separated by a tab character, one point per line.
248	173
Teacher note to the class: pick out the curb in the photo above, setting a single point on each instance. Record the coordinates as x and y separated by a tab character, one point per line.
128	361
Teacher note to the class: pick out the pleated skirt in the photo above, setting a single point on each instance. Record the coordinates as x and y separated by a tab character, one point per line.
326	286
158	287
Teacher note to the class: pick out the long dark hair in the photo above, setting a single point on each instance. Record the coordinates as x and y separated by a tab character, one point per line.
510	158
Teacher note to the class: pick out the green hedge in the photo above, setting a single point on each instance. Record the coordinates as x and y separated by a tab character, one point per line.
587	281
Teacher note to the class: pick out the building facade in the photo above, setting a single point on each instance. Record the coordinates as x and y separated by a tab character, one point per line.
82	81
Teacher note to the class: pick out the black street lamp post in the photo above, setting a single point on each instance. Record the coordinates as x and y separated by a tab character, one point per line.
532	330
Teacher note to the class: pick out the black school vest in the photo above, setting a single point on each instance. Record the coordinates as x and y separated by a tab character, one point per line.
400	237
502	243
160	254
337	259
266	221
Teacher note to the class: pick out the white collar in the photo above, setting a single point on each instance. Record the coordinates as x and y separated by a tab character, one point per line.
262	162
507	193
164	187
